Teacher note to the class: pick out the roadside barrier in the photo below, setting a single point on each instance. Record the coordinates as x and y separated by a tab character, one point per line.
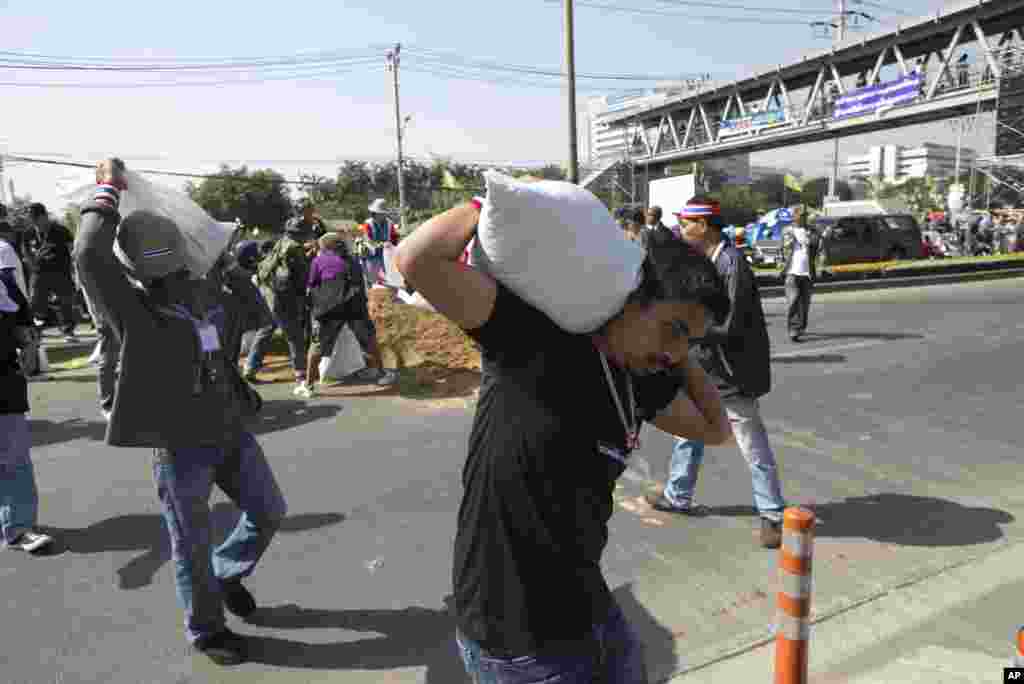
794	597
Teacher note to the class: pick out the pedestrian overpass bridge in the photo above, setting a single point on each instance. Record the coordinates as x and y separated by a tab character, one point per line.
904	76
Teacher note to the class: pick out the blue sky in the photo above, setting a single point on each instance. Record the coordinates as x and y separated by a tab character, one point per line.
351	115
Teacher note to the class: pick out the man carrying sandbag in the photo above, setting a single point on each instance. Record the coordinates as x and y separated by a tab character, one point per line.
559	415
736	354
181	396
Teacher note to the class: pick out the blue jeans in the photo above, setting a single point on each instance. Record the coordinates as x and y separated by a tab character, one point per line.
185	479
291	314
19	498
611	654
752	438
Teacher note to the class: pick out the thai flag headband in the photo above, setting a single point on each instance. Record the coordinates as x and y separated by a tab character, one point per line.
697	210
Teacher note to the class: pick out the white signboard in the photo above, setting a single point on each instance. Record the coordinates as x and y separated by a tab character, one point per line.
671	194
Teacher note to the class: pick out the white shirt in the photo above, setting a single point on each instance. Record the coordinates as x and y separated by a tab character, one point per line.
9	259
801	263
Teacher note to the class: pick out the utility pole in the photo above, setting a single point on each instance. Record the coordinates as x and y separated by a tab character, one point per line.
570	70
394	60
842	21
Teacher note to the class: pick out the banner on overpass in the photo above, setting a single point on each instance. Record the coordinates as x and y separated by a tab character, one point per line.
870	99
758	120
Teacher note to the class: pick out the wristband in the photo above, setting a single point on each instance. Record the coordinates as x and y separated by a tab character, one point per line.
477	202
107	194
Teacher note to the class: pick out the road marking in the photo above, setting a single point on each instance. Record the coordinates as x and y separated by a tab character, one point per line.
814	351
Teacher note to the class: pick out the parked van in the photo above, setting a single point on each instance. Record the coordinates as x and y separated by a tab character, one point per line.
868	237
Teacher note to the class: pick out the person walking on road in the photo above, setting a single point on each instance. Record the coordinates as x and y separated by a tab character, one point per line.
283	273
737	355
800	246
51	247
19	496
558	417
179	395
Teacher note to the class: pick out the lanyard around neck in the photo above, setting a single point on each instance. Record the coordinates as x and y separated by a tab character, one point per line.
631	427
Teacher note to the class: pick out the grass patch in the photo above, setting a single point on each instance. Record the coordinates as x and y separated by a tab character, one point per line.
925	264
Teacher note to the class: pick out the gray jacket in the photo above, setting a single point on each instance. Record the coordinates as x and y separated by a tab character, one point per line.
170	394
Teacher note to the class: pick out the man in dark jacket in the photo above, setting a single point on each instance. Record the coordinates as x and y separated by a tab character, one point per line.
179	395
656	232
51	246
737	356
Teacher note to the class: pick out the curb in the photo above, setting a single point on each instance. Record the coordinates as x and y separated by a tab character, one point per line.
778	291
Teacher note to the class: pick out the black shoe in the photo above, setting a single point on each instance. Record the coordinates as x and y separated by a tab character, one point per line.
237	598
224	647
660	503
794	336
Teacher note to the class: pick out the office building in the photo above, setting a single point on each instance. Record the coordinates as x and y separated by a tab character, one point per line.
894	163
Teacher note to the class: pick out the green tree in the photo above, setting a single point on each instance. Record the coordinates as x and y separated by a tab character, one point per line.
921	195
72	217
815	190
259	198
740	204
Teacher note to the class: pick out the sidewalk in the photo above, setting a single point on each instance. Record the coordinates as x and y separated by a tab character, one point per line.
954	627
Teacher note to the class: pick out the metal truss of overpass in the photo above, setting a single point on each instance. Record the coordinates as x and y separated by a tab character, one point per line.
688	129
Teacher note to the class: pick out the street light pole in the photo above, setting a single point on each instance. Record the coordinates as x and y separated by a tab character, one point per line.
393	63
570	70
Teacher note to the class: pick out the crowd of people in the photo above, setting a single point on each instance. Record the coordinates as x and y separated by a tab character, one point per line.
558	417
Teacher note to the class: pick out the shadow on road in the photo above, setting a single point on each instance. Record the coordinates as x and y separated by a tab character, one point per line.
901	519
283	414
892	337
814	358
412	637
147	533
910	520
47	432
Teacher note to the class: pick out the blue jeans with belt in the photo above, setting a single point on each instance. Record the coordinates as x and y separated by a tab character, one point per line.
185	479
19	498
610	654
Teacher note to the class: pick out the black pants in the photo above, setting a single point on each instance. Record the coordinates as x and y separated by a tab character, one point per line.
45	283
798	302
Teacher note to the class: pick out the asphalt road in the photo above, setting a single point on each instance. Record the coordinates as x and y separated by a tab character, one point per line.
896	421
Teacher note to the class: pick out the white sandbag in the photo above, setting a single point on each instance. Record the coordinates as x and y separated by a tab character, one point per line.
558	247
205	238
415	299
392	277
346	357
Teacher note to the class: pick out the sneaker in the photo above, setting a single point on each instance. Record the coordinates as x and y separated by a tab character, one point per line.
31	541
366	375
771	533
237	599
794	336
304	391
224	648
660	503
387	378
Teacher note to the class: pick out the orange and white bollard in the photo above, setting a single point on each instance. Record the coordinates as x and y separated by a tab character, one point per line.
1018	654
794	597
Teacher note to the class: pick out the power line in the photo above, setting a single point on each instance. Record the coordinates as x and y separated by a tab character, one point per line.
692	17
746	8
137	63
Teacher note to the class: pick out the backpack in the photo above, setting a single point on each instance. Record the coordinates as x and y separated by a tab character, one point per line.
276	270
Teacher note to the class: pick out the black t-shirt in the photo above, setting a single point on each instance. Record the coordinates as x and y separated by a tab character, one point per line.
544	455
53	250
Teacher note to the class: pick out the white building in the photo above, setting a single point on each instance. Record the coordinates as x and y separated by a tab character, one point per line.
893	163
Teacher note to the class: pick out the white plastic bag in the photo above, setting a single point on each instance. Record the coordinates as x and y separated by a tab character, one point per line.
205	238
416	300
392	277
346	357
557	246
